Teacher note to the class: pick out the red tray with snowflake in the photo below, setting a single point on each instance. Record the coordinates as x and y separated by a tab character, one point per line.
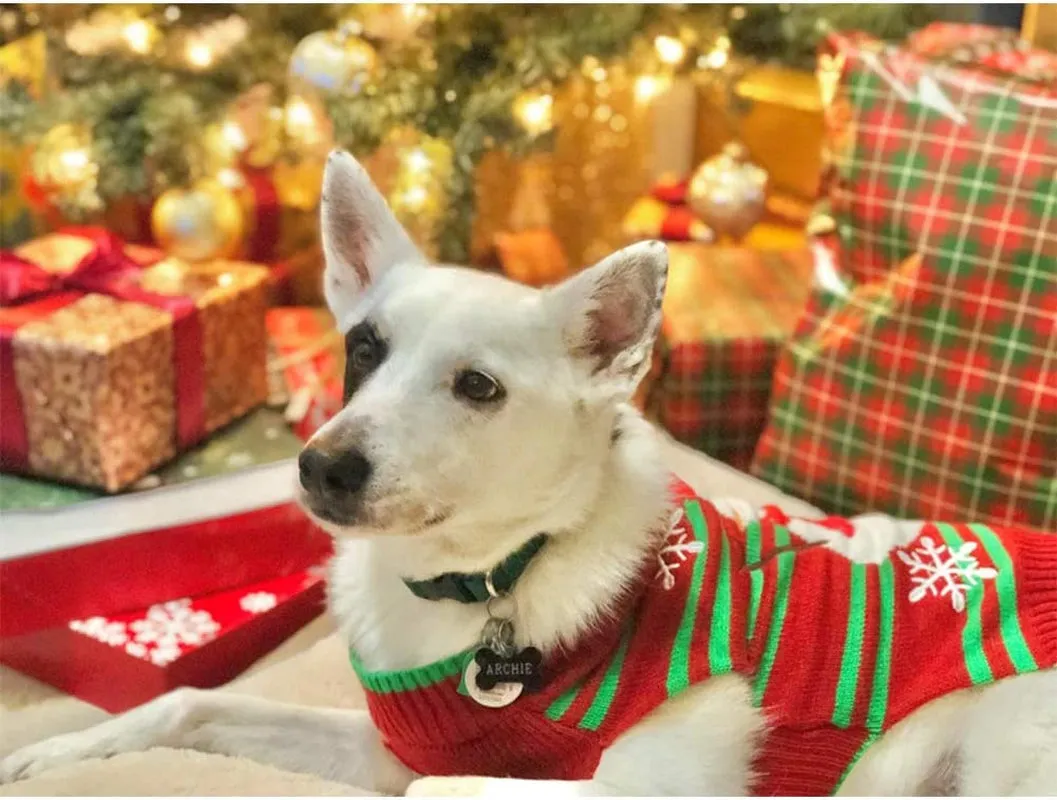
119	661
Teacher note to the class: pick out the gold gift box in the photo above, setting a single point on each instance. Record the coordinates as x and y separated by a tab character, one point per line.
782	126
96	377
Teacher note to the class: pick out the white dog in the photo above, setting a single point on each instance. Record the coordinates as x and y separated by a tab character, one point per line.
490	486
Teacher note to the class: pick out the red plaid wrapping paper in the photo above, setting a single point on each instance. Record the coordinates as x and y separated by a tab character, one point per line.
726	313
923	381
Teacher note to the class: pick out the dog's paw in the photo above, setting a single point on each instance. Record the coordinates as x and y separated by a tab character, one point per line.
55	752
448	787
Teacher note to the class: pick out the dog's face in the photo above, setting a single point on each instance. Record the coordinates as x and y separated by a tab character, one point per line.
470	401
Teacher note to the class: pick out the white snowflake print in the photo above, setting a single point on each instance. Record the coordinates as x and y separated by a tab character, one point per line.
164	653
678	546
137	650
174	623
258	602
102	630
938	571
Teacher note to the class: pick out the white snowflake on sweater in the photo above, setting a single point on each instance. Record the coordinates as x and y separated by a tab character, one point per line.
174	623
102	630
938	571
678	547
258	602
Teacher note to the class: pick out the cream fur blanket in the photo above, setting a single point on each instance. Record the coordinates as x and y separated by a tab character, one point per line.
310	669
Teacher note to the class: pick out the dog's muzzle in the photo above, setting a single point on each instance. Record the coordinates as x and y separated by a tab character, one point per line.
333	481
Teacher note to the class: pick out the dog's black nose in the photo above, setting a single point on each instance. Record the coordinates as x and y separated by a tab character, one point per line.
327	473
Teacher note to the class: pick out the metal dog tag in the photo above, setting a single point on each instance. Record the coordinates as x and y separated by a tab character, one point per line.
499	696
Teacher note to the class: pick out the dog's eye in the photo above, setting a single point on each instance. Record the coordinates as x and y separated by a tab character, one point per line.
480	387
365	354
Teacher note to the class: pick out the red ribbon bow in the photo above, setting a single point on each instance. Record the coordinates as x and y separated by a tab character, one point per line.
29	292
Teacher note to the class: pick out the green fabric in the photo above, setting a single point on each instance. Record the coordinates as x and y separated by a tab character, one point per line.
878	710
607	689
679	662
851	661
556	710
402	680
1006	585
976	662
753	543
719	659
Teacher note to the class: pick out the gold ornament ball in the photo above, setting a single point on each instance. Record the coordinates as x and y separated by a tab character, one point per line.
728	192
200	223
332	61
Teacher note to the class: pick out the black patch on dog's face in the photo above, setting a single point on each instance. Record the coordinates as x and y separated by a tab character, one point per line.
365	350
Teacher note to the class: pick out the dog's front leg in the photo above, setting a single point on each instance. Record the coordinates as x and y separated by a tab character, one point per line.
337	745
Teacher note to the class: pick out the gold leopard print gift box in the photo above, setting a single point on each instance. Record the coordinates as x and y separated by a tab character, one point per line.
113	359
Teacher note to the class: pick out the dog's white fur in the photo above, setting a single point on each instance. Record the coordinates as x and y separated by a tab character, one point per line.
456	488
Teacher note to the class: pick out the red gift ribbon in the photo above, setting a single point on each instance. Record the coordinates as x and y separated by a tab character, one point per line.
264	237
29	292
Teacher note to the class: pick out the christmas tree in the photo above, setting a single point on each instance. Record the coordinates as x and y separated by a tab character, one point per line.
155	98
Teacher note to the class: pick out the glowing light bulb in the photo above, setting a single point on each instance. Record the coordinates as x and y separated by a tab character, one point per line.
415	198
230	178
535	113
138	35
200	55
234	135
299	113
647	87
74	161
417	161
717	59
669	49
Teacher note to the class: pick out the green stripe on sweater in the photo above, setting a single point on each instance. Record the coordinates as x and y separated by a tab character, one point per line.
1006	583
753	543
851	660
679	662
719	660
556	710
875	714
976	663
786	562
607	689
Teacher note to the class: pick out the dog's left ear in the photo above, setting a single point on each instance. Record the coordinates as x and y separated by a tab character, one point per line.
362	239
610	313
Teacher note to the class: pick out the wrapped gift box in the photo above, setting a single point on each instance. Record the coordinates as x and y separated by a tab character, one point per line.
219	516
306	366
114	359
919	381
727	313
280	208
118	661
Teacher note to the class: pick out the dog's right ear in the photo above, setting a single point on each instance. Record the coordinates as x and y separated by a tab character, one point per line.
361	236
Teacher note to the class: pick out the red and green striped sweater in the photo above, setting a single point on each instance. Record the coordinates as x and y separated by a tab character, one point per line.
836	652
